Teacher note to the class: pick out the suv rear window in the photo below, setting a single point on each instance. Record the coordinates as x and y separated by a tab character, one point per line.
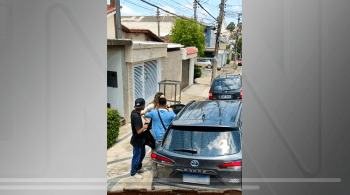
203	143
227	84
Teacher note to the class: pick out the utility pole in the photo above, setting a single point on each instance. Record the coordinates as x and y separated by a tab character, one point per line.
236	55
215	66
195	9
118	30
158	21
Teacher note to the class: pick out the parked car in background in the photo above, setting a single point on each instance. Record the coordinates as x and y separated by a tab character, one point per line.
202	148
240	62
204	63
226	88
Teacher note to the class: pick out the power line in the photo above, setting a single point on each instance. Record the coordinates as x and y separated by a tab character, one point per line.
177	8
182	5
139	5
210	5
200	12
181	8
162	9
204	10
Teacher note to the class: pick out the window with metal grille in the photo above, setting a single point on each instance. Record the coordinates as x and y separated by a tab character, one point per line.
145	80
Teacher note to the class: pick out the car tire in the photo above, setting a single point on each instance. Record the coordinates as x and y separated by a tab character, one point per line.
209	66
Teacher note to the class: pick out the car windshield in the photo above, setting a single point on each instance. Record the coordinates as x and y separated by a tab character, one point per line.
203	143
227	84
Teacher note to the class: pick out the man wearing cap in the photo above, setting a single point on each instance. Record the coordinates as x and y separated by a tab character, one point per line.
137	139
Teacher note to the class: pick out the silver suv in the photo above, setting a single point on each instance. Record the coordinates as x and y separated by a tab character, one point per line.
202	148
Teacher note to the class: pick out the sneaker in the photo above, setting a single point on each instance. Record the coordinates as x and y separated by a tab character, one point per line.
137	176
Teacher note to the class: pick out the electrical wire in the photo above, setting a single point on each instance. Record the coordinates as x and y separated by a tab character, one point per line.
162	9
139	5
205	10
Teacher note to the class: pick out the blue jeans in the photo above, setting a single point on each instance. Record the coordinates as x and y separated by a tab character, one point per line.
138	156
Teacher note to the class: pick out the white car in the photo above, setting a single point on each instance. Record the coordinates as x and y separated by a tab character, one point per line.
204	63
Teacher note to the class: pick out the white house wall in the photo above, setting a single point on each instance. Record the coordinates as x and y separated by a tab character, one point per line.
110	27
115	62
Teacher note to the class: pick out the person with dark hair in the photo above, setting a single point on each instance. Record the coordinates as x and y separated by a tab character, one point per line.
161	119
137	139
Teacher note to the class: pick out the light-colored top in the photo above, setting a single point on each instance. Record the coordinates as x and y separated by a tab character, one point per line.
157	127
148	108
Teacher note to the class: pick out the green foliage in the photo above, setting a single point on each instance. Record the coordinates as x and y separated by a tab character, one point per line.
228	60
228	46
239	46
239	25
197	72
231	26
189	33
113	125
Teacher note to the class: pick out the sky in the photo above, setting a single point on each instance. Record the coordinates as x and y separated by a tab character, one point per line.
182	7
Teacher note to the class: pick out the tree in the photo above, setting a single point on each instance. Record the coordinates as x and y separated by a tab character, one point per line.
231	26
239	46
189	33
239	25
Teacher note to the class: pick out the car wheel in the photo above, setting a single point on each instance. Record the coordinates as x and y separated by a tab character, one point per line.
209	66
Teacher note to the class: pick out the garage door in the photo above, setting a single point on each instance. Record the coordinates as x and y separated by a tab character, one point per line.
146	80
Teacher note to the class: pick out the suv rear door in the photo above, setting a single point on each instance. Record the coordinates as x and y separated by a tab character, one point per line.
209	148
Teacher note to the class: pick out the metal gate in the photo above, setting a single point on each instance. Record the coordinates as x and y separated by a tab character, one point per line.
145	80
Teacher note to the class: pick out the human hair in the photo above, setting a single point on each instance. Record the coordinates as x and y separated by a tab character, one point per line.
162	101
156	97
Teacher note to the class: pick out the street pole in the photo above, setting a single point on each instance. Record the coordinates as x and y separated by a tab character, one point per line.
195	9
118	31
236	55
158	21
217	39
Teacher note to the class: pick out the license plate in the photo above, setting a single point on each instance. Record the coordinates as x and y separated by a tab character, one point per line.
196	178
226	96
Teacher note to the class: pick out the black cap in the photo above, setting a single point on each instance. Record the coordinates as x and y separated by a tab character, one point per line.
139	103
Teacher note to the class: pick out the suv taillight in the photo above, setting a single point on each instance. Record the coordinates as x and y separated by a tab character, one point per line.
240	94
157	157
210	95
231	164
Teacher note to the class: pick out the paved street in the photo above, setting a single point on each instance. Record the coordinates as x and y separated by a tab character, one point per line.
119	156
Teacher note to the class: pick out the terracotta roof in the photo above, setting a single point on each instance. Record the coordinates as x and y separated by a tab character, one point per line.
111	9
167	41
191	50
144	31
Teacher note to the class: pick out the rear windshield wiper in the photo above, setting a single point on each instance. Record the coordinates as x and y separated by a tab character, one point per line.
187	150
